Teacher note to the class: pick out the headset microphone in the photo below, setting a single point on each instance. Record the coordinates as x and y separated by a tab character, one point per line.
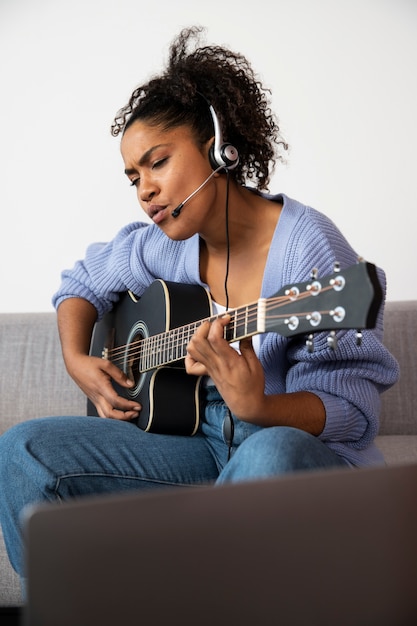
177	211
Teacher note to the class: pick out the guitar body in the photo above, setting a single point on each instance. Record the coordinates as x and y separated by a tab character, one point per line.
169	397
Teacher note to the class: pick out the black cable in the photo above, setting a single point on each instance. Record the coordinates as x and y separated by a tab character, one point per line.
226	291
228	432
228	425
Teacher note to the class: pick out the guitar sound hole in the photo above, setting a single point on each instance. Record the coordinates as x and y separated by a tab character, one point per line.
133	365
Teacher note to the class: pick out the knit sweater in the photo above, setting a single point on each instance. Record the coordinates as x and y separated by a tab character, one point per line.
348	380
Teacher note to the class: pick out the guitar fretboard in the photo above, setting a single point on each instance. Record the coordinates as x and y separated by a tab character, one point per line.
171	346
302	308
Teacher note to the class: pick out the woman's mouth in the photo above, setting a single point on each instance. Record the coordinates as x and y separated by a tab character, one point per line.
157	213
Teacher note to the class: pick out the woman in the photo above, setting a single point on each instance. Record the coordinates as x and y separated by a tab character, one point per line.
191	140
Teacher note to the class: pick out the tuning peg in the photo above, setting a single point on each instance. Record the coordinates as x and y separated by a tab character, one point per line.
336	266
359	337
332	340
310	343
314	273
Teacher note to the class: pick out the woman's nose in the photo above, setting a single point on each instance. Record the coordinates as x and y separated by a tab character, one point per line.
147	188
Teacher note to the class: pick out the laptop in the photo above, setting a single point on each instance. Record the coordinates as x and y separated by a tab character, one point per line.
324	548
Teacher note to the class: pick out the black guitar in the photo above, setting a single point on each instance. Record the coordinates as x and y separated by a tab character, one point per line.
148	337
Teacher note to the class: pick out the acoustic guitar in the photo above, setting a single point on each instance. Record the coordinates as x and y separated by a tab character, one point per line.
147	337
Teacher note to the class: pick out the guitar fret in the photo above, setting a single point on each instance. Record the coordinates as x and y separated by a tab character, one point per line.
246	325
188	333
155	350
172	345
185	340
158	350
163	351
230	329
242	327
180	339
143	357
149	352
169	346
149	355
146	353
153	353
179	344
140	364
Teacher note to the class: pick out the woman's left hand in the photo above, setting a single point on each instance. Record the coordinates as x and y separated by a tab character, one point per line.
239	377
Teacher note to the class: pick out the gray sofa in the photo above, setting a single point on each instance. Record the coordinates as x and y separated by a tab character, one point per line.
34	383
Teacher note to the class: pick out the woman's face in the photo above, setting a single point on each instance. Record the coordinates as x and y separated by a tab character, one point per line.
166	166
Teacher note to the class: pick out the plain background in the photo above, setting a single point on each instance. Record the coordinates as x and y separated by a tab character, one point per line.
344	86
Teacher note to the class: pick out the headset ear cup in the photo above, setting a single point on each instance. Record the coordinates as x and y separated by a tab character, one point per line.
226	156
229	155
221	155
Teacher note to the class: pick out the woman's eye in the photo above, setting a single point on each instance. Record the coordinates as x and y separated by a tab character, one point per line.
159	163
135	181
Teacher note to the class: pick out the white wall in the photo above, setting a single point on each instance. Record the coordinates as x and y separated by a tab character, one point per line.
343	75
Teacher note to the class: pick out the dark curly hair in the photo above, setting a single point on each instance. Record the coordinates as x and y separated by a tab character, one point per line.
227	81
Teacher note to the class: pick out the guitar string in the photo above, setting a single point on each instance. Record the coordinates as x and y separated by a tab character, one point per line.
145	347
147	344
190	328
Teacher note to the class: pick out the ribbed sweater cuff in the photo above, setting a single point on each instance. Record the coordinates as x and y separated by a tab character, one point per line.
341	421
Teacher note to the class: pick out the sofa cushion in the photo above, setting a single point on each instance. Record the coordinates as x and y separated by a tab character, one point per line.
399	404
10	590
34	381
398	449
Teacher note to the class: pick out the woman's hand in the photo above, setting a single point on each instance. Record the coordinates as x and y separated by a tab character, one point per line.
239	378
76	319
94	375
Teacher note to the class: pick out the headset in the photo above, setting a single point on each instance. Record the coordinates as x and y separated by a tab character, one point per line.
221	154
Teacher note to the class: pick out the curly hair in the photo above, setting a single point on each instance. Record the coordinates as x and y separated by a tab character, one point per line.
228	82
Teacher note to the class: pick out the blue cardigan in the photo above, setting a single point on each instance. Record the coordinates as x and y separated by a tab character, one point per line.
348	381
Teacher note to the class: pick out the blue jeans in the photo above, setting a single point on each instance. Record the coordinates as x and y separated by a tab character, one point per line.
57	458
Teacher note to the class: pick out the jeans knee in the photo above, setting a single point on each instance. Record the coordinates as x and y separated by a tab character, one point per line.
280	448
275	451
294	448
9	443
20	446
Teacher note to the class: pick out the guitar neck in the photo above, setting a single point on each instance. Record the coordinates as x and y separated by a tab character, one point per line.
171	346
348	299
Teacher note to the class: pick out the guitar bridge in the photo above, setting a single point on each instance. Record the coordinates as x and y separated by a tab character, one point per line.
109	344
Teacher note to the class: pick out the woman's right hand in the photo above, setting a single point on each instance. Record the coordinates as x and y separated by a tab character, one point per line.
76	319
94	376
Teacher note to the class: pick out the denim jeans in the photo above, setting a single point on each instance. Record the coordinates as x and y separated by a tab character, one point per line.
58	458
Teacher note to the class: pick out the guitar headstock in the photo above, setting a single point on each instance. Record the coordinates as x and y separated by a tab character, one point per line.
346	299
